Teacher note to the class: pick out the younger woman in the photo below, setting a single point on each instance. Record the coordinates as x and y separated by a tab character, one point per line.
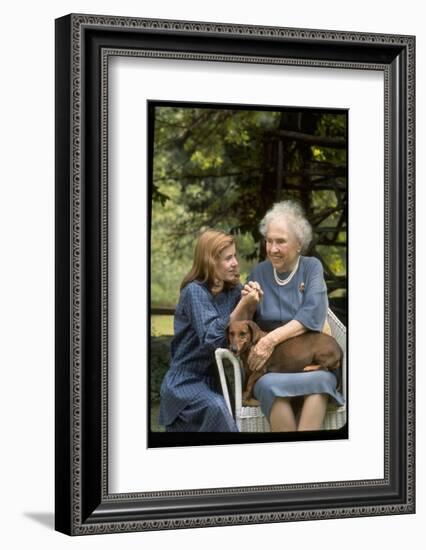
210	299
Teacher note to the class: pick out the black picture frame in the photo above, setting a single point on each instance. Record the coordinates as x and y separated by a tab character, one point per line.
83	46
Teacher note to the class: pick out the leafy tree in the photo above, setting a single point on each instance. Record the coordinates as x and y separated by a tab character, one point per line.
225	167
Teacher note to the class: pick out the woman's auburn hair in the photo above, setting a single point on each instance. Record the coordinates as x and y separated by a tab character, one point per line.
208	248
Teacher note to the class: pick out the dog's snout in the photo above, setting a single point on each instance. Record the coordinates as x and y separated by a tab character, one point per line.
233	348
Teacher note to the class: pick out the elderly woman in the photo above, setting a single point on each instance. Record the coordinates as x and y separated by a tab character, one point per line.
294	301
210	298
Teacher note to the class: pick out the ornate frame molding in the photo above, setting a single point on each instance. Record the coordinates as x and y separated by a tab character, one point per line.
83	503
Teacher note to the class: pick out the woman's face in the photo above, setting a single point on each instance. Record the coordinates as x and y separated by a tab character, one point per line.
282	246
227	265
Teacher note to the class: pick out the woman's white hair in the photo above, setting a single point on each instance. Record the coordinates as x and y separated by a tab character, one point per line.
292	213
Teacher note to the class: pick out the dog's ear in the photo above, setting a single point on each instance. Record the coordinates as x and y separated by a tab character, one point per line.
256	333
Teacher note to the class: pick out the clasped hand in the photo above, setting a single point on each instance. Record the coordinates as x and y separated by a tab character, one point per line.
253	291
260	353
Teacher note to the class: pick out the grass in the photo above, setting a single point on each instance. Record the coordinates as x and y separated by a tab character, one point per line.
155	427
162	325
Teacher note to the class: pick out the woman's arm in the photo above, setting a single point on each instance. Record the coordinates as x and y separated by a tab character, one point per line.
203	316
251	295
289	330
312	312
209	325
265	346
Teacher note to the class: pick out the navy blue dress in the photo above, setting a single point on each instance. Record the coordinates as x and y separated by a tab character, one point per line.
304	298
189	401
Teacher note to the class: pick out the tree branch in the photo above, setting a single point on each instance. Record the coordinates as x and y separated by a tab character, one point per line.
324	141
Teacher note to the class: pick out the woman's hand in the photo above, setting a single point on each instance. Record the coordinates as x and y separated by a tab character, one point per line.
251	295
260	353
250	299
253	290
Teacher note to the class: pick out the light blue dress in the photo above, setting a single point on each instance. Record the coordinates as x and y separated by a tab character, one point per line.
304	298
189	398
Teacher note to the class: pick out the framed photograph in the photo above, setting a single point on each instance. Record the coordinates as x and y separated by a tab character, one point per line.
224	166
164	130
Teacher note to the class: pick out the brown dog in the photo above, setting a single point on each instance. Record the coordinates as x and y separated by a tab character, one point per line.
308	352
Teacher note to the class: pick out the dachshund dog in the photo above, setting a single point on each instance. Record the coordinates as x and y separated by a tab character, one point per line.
308	352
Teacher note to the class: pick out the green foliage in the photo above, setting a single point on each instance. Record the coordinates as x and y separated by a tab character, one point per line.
158	364
161	325
224	168
155	427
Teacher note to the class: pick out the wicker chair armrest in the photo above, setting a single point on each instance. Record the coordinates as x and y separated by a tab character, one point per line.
220	355
338	331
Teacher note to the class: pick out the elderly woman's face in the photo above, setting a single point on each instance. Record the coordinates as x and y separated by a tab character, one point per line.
282	246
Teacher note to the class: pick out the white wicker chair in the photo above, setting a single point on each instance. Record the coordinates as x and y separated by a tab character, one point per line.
251	419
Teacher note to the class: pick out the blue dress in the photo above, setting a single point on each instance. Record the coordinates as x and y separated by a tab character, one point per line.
304	298
189	401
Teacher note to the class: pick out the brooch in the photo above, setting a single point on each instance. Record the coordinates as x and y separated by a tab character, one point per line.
302	287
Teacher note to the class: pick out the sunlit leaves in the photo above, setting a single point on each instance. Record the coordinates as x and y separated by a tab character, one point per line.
221	168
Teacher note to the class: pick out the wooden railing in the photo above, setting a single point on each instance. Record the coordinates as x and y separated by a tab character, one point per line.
162	311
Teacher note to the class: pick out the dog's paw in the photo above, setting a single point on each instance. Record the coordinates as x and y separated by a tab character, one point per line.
310	368
251	402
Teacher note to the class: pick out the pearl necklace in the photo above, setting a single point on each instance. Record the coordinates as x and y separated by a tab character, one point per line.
283	282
